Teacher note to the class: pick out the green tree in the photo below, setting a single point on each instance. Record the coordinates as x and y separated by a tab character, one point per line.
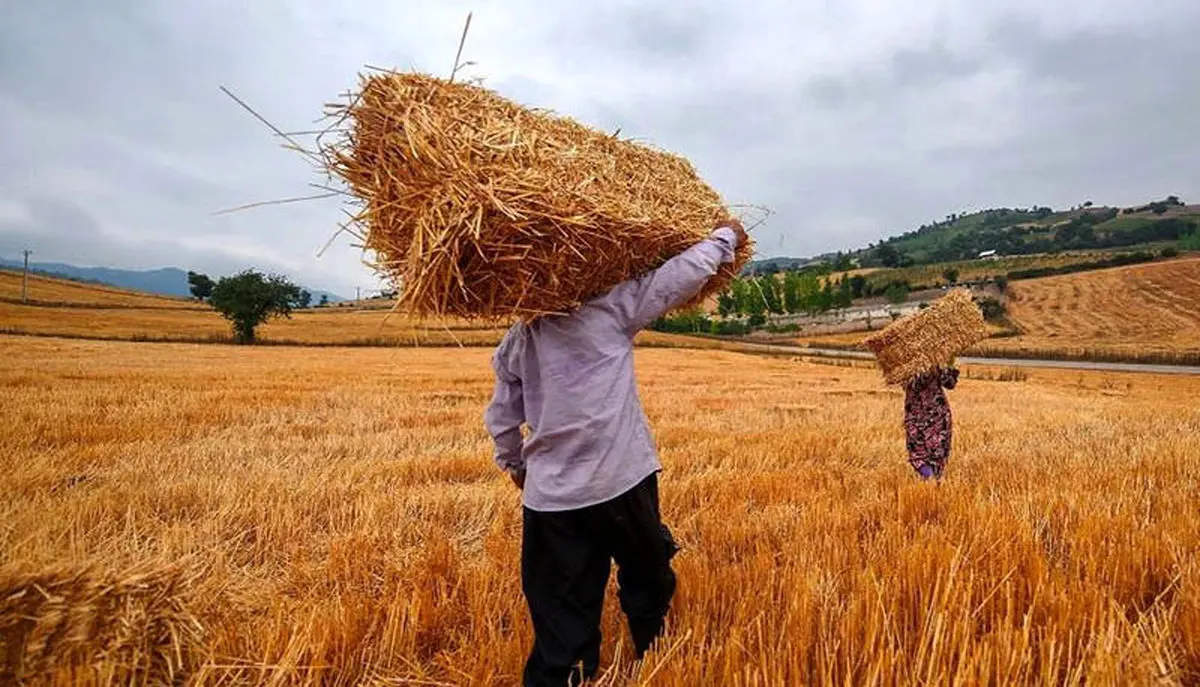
1191	241
754	303
993	310
726	303
888	255
200	285
792	302
858	286
324	300
825	297
950	275
845	296
769	286
251	298
809	293
842	262
304	299
896	294
1002	282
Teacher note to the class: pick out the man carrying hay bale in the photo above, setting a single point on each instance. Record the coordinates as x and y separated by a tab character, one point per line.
918	352
588	470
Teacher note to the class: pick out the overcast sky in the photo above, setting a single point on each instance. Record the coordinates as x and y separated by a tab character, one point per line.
851	119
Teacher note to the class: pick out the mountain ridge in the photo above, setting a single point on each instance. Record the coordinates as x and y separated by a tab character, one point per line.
166	281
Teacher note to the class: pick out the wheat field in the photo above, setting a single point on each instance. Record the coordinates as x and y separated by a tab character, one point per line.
333	326
1137	309
222	515
1141	313
50	290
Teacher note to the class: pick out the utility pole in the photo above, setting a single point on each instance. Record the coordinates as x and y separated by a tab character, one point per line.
25	279
358	293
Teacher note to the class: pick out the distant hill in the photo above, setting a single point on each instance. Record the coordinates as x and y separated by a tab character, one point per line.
769	265
1013	232
167	281
1026	231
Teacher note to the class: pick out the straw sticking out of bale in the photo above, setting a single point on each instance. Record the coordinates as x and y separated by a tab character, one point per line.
56	621
928	339
477	207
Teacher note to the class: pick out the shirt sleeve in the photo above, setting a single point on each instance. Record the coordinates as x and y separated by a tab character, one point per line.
504	417
638	302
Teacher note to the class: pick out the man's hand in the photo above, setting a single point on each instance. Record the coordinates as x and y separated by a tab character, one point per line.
518	478
736	226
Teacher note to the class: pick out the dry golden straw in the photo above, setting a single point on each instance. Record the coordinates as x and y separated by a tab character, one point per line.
478	207
138	620
929	338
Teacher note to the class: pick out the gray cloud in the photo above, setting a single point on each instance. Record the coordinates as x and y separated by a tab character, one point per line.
851	120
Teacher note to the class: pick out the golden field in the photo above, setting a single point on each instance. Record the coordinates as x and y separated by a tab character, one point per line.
1148	313
89	311
64	308
54	291
288	515
318	326
928	276
1140	309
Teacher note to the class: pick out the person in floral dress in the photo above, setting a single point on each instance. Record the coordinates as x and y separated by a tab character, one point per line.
927	422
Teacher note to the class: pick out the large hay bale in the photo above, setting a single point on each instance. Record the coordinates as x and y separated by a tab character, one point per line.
929	338
478	207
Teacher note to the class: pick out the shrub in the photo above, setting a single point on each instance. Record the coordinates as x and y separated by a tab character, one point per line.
993	309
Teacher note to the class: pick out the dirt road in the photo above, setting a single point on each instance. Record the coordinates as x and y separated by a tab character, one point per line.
776	349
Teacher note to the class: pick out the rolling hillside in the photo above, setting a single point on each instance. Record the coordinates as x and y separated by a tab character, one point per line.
1139	313
1027	231
1137	309
54	291
167	281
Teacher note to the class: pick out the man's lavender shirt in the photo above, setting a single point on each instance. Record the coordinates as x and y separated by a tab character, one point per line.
570	379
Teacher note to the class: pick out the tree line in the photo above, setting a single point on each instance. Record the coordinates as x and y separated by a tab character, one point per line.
797	292
1016	232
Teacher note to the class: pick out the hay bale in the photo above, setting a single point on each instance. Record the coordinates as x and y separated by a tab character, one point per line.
132	626
929	338
478	207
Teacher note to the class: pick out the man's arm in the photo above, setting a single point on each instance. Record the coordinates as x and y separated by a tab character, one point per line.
504	417
638	302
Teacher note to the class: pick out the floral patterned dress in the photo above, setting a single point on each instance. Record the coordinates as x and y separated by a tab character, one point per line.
927	423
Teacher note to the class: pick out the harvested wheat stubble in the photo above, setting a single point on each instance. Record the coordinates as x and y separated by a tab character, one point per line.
138	620
929	338
478	207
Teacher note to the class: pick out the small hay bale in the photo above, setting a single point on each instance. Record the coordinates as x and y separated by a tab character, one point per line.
478	207
135	626
929	338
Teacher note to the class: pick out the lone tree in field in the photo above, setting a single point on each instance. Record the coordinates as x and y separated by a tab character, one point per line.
200	285
250	298
951	275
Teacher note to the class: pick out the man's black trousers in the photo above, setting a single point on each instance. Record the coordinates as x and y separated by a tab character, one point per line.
565	560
